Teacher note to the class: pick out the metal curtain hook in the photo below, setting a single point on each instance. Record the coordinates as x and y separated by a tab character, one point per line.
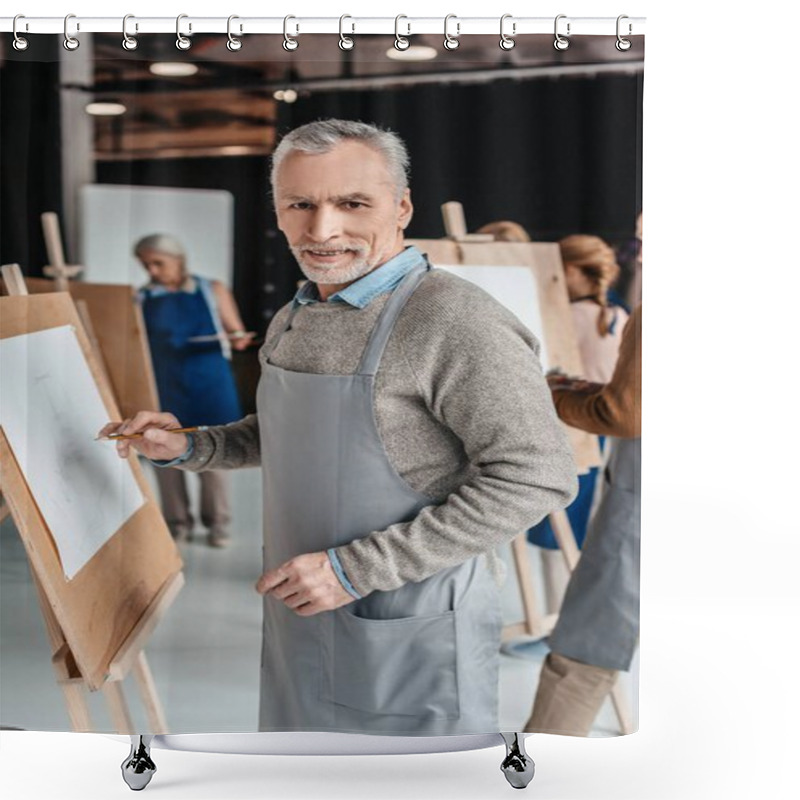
450	41
129	42
289	42
623	44
182	43
400	42
506	42
233	44
345	42
20	42
561	42
70	42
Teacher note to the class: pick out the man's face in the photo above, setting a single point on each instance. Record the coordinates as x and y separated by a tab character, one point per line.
339	212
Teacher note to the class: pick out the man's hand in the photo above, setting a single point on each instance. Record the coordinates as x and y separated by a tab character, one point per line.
307	584
155	443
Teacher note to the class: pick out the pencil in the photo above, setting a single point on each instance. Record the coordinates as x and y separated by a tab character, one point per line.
117	436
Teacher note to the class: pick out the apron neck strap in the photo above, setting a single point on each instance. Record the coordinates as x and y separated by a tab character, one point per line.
279	336
385	324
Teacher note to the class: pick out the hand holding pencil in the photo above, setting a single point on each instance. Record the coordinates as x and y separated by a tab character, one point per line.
156	435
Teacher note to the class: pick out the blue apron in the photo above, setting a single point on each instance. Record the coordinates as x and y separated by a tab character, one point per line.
194	379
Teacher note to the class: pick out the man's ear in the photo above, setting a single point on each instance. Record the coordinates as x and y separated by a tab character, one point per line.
405	209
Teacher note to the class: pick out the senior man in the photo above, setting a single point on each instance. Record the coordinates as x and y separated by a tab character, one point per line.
404	430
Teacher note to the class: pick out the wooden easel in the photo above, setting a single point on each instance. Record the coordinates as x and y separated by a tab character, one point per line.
128	614
461	247
57	269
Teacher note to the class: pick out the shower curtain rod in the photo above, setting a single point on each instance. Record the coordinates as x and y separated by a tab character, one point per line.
296	26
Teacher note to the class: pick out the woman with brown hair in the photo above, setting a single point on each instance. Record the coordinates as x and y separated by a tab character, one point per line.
590	269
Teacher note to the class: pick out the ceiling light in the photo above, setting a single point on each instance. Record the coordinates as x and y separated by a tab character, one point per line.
174	69
286	95
105	109
415	52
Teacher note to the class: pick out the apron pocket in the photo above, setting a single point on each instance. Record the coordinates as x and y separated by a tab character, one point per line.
404	666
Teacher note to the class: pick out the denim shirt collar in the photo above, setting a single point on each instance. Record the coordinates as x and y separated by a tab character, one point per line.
362	292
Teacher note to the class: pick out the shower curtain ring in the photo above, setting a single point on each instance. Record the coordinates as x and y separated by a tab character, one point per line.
623	44
345	42
182	42
400	42
451	40
561	42
129	42
20	42
506	41
70	42
233	44
290	43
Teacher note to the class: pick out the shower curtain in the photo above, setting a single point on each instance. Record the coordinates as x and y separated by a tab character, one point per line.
392	401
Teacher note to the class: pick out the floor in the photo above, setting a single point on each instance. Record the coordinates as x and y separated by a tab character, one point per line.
218	602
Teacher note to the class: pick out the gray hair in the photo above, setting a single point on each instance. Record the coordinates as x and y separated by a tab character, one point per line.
161	242
323	135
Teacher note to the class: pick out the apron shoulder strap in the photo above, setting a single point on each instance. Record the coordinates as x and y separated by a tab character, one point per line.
388	316
274	343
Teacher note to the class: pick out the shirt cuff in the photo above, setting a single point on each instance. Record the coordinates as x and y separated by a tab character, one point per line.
337	568
181	458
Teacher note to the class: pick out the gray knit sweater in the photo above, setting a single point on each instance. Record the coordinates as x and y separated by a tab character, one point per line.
464	413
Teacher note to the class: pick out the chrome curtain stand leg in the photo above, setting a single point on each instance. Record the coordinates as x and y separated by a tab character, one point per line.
138	768
517	766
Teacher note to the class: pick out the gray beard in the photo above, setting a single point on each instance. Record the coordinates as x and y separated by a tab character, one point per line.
357	269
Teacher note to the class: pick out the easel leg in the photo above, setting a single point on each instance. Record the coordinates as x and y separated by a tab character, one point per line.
562	530
66	673
138	768
77	707
147	689
117	706
620	702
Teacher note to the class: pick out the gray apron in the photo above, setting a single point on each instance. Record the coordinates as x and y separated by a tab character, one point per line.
421	659
599	619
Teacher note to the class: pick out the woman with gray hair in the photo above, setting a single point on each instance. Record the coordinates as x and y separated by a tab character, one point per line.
192	324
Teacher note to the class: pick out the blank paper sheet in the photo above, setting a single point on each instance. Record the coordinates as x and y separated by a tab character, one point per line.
51	411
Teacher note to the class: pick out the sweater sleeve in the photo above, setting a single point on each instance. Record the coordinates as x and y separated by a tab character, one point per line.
616	408
231	446
483	380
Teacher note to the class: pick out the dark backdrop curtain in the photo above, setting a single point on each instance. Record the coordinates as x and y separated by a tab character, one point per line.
30	151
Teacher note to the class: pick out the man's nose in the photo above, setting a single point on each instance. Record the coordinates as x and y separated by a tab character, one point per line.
325	223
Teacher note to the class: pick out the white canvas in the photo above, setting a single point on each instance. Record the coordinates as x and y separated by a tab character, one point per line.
51	411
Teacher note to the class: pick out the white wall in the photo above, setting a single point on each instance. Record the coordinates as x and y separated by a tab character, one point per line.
114	218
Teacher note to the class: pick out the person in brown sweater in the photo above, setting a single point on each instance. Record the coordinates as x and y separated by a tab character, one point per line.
598	627
614	408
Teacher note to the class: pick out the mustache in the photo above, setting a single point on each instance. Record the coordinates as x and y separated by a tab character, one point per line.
330	248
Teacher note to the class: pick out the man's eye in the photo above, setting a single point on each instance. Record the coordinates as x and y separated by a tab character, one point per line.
354	204
301	206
